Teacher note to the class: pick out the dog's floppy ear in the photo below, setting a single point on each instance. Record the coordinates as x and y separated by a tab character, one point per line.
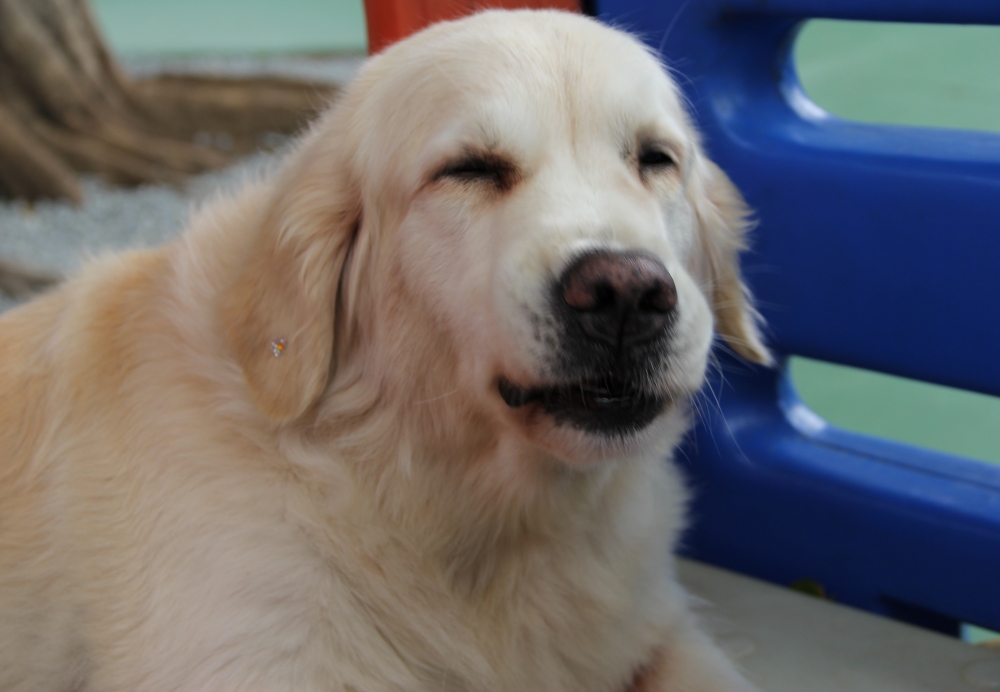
724	219
278	313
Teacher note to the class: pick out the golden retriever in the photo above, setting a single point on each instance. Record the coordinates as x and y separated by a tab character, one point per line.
395	419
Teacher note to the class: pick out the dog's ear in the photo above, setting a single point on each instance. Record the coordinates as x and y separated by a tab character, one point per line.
724	219
278	314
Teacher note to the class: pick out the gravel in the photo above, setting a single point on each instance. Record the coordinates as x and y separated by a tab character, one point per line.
56	236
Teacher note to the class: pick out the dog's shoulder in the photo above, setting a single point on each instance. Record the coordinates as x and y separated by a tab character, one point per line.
73	343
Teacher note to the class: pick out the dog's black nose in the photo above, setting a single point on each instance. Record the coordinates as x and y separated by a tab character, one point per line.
619	298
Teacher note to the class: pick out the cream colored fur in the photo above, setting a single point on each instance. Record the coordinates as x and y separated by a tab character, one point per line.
182	510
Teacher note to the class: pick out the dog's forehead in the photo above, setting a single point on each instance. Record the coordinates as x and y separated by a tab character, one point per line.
548	62
518	81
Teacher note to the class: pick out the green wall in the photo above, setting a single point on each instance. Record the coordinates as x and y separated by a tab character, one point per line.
144	27
909	74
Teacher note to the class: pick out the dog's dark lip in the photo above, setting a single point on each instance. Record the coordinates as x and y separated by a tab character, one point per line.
515	396
609	406
593	396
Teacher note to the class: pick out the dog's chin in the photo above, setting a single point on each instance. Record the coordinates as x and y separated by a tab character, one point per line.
606	416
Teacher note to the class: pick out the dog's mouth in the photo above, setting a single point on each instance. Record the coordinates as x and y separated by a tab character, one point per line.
608	407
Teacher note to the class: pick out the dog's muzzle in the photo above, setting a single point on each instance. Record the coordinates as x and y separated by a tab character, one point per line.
615	310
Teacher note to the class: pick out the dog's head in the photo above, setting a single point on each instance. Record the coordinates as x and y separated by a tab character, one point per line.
511	210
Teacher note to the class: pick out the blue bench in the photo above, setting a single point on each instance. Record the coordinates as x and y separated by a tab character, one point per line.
878	247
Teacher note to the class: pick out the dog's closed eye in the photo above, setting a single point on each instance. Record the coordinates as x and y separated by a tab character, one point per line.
491	169
654	158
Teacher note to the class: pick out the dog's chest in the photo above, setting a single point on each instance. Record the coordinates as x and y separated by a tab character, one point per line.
357	608
579	612
554	620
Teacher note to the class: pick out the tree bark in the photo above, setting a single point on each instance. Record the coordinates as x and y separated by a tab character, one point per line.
66	107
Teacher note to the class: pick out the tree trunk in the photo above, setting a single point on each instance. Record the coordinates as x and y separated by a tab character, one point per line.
66	107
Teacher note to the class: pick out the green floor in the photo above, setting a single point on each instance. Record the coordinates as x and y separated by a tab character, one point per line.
939	76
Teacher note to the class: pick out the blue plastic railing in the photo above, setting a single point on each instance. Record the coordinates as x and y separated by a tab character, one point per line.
878	247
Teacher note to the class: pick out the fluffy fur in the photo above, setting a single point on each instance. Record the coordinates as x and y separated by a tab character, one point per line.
180	509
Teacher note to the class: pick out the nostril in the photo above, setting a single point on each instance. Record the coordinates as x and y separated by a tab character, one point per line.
660	298
605	298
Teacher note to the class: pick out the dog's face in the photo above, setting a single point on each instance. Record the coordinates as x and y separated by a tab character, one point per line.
532	201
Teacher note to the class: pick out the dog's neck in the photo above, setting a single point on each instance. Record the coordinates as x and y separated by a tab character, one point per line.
471	503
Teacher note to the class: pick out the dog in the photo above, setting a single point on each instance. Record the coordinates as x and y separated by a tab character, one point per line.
397	417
